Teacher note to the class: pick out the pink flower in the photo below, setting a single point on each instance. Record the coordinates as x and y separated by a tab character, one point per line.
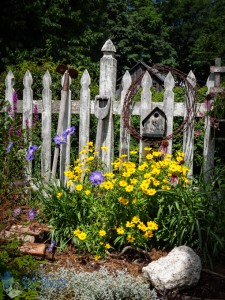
174	179
198	132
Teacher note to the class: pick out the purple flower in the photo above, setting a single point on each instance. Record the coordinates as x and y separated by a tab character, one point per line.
32	213
9	147
36	117
69	130
15	100
60	139
96	178
30	152
52	246
17	212
19	132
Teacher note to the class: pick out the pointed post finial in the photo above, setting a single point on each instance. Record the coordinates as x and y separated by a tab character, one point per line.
108	47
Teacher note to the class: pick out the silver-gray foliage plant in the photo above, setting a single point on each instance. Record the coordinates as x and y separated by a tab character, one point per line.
97	285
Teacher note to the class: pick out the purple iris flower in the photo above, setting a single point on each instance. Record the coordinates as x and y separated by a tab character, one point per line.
32	213
52	246
9	147
61	139
96	178
17	212
30	152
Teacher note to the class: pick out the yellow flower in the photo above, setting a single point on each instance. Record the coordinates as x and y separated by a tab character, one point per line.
120	230
107	246
166	187
123	200
83	151
133	180
147	148
129	188
108	185
69	182
133	152
87	192
82	236
152	225
110	175
59	195
123	183
134	201
148	234
101	243
76	232
90	144
179	158
104	148
135	220
102	232
142	226
126	174
130	238
150	192
129	224
90	158
149	156
79	187
156	153
97	257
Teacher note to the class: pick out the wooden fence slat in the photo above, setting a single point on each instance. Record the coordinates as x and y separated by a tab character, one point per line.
9	91
65	148
188	135
85	110
124	134
168	106
46	127
146	106
28	112
209	139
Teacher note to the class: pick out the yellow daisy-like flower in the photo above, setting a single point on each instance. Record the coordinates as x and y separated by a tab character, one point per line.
90	158
148	234
129	188
166	187
83	151
102	232
59	195
142	226
97	257
69	182
123	200
149	156
126	174
77	232
135	220
103	148
101	243
150	192
156	153
133	152
152	225
110	175
130	238
120	230
108	185
129	224
147	148
123	183
134	201
87	192
90	144
133	180
82	236
179	158
79	187
107	246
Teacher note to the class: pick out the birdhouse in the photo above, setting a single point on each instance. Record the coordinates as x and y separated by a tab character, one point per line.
154	125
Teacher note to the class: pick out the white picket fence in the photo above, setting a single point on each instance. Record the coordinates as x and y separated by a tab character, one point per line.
105	132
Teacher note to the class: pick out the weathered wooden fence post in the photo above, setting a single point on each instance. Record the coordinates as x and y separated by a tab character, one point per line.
168	106
104	104
189	112
65	148
146	106
124	134
9	91
46	127
85	110
28	113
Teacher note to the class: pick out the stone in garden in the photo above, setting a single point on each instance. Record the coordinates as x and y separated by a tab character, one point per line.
33	248
180	269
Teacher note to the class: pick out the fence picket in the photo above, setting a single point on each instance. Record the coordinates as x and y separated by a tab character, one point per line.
46	127
9	91
188	136
168	106
146	106
124	134
28	113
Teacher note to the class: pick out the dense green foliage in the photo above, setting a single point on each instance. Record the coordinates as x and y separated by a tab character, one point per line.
187	34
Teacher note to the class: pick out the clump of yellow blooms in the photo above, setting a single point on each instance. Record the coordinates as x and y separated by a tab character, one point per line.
129	186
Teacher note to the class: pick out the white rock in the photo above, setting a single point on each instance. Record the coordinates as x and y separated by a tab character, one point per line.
180	269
